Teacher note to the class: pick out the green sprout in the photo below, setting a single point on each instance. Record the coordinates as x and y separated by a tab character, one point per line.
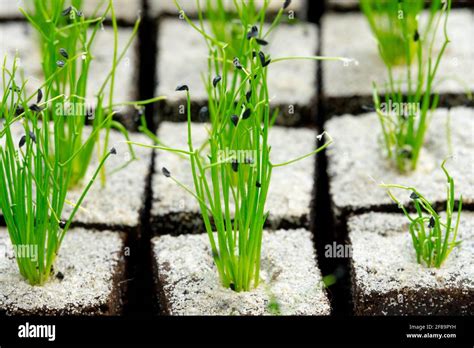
430	234
34	178
404	116
65	34
232	169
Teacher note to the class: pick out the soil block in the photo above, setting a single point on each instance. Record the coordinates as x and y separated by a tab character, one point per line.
357	163
125	10
290	198
168	7
188	283
387	280
88	278
347	87
182	59
120	204
29	59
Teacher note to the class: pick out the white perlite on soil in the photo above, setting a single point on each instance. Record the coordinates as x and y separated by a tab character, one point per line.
92	265
9	9
127	10
121	201
357	162
159	7
182	59
289	199
341	31
27	47
384	267
290	277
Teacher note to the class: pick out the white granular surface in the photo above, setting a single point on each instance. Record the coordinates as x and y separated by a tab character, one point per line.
384	258
291	186
288	270
357	161
88	261
121	200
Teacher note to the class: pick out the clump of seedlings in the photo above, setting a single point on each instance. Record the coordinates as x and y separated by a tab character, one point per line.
66	38
404	112
232	169
36	169
433	238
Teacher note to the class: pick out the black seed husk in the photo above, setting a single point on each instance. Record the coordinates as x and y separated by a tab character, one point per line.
60	276
22	141
66	11
32	136
62	224
253	32
113	151
248	95
166	172
234	119
416	36
246	114
261	42
19	110
35	108
286	4
232	286
182	88
413	195
64	53
258	184
204	113
39	96
60	63
216	80
235	165
236	63
261	55
431	224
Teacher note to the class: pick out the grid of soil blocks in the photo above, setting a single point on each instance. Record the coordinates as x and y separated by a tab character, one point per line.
157	8
347	88
292	188
357	163
188	284
88	277
26	50
387	280
141	208
292	84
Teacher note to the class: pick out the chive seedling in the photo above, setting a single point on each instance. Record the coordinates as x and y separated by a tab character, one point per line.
34	179
404	118
66	38
430	234
232	170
